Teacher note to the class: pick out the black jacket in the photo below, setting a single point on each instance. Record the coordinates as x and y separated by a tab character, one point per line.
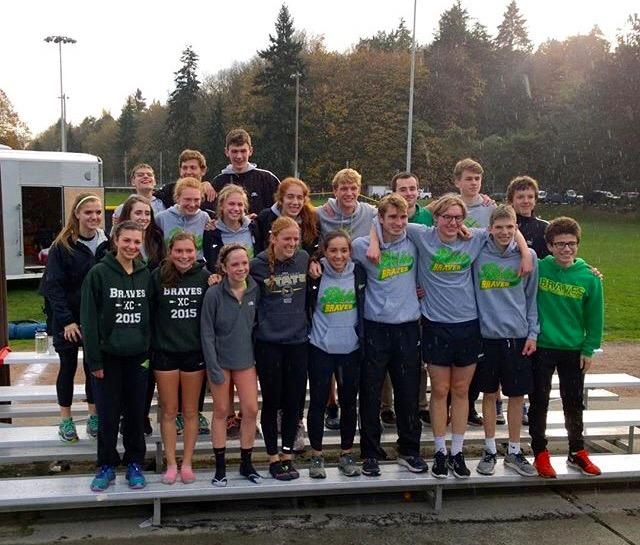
360	283
259	184
532	230
61	283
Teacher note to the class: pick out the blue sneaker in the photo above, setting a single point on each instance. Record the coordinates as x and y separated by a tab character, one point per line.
105	475
135	478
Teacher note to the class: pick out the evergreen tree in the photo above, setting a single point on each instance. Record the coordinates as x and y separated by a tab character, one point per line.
181	118
512	32
128	123
397	40
276	85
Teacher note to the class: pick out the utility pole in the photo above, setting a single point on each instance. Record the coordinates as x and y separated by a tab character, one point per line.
63	99
411	85
295	160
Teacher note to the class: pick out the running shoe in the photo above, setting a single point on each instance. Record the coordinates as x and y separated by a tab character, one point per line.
542	463
105	475
316	469
179	423
415	464
233	427
425	417
135	477
458	466
474	419
580	460
278	472
92	425
370	467
520	464
439	467
247	470
203	425
332	418
487	465
67	431
287	465
348	466
388	417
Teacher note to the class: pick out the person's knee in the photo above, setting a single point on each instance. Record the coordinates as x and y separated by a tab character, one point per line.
249	410
169	412
439	390
460	388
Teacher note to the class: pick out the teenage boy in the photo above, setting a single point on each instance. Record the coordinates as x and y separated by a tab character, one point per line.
408	185
509	327
392	338
467	177
143	180
522	194
570	310
259	184
346	213
191	164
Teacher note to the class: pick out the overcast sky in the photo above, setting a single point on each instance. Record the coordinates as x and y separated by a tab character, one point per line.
124	45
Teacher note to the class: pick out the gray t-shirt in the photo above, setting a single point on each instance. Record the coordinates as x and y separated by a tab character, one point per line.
444	272
93	243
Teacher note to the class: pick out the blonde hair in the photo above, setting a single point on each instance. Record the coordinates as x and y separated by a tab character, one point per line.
503	212
279	225
392	199
71	230
189	154
227	190
346	176
450	199
467	164
186	183
308	217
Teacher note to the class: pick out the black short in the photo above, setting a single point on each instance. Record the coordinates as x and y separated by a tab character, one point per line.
451	345
187	362
502	364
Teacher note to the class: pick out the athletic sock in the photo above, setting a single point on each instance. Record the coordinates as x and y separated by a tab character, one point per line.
245	455
221	465
514	448
457	439
490	445
439	444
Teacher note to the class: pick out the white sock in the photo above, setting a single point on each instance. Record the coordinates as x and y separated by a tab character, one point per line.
490	445
439	444
456	443
514	448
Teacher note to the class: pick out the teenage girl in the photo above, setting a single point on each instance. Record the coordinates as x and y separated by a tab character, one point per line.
139	209
281	339
115	320
178	289
72	254
337	304
228	315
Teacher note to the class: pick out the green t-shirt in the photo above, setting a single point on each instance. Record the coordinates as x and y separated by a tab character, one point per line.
422	216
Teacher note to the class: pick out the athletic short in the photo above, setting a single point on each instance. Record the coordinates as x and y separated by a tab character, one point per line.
187	362
451	345
502	364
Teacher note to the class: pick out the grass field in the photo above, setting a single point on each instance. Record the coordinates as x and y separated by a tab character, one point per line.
611	242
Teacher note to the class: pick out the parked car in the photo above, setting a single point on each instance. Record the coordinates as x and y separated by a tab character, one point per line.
424	194
542	196
555	198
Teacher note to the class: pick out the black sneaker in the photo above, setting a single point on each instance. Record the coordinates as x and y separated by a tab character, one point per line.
370	467
278	472
415	464
332	418
457	465
439	467
388	417
287	465
425	417
474	419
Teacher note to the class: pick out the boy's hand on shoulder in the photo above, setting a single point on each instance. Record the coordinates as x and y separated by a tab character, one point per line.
252	216
529	347
486	200
214	279
211	225
315	270
464	232
208	191
585	364
420	292
373	253
596	272
526	265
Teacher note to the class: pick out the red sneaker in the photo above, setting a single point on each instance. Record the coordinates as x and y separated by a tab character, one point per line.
580	460
542	463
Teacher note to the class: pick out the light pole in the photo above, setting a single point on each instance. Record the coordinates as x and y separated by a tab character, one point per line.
411	85
295	159
63	99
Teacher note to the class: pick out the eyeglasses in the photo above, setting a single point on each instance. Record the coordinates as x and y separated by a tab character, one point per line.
449	219
562	245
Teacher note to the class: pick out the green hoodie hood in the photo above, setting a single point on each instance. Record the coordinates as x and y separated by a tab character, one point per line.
114	311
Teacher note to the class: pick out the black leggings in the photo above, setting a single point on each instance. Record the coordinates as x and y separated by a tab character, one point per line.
66	376
282	370
322	367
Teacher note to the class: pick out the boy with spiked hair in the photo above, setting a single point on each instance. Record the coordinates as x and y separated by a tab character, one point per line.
570	310
509	328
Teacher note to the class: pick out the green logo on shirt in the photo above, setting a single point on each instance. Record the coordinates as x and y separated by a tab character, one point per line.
493	276
335	299
563	290
394	264
447	260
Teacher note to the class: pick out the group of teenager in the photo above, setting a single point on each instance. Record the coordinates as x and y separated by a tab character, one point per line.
243	281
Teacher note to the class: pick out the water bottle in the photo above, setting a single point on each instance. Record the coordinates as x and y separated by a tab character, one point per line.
42	341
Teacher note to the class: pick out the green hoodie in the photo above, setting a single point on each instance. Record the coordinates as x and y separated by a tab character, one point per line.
176	311
114	311
570	306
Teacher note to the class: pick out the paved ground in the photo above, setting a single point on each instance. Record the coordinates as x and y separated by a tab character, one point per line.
562	516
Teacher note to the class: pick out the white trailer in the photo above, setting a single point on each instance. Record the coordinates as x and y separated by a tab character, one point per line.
38	188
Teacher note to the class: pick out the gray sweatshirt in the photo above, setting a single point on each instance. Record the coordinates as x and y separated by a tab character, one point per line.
479	215
506	303
282	313
390	295
226	327
356	225
333	328
172	221
444	272
242	236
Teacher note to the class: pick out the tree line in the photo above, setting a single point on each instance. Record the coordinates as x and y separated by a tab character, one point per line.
565	112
